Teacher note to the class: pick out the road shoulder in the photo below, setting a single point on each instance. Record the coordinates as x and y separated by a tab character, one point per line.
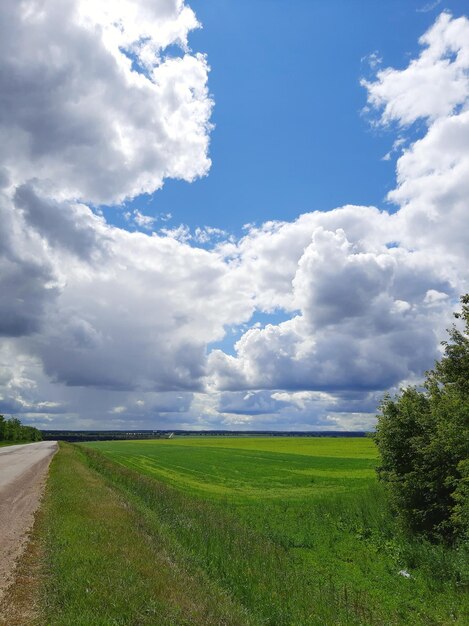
19	500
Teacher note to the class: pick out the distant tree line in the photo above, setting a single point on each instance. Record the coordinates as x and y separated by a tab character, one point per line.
423	439
13	430
77	436
110	435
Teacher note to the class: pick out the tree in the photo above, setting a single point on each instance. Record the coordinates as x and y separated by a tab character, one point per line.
13	430
423	440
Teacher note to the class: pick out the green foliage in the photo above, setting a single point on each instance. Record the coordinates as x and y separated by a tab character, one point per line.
13	430
423	439
453	368
460	512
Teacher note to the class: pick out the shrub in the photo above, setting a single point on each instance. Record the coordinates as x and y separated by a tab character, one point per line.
423	439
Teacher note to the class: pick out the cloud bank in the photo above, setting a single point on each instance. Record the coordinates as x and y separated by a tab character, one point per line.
104	327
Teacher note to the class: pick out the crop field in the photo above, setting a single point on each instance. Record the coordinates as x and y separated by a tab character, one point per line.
252	470
294	530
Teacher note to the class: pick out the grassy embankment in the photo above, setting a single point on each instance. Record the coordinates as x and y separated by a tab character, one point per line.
234	531
296	529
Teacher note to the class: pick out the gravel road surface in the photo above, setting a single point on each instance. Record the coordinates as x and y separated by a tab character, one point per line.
23	471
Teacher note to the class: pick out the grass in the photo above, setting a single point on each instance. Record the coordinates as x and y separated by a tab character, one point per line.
246	469
254	570
229	531
106	561
272	484
294	530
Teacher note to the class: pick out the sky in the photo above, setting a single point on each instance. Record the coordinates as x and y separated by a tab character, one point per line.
220	214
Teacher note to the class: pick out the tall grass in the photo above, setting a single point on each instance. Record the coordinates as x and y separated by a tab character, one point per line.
329	559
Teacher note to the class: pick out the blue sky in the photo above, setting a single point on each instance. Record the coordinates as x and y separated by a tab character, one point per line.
290	135
342	284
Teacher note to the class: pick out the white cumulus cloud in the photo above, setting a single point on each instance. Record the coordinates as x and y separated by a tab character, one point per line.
90	104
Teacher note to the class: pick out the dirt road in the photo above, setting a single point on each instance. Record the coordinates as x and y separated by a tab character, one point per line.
23	470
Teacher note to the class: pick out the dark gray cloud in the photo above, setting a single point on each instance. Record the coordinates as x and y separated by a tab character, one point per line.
24	285
26	278
72	227
4	178
250	403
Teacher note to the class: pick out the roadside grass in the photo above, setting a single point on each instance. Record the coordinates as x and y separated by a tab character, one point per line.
105	564
298	531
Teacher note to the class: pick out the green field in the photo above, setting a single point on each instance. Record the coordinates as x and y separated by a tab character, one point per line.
252	470
295	530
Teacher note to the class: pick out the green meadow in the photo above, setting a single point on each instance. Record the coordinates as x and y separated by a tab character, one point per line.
252	471
229	531
294	530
